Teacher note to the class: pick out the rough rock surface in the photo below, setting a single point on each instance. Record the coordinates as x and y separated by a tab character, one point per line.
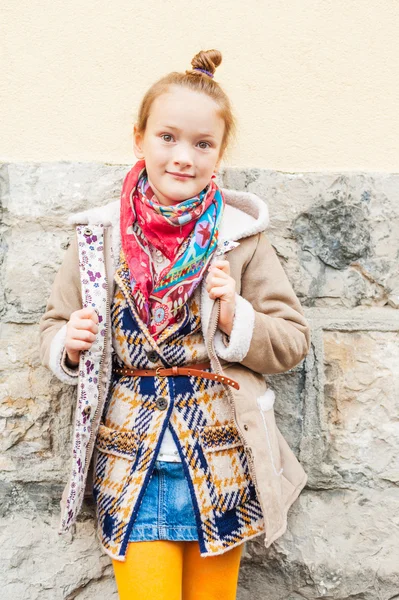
337	236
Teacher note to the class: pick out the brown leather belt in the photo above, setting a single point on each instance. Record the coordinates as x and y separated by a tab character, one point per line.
190	370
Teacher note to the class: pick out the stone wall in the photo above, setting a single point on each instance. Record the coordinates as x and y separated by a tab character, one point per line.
337	236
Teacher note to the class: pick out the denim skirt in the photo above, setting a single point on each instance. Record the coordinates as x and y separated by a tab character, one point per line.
166	511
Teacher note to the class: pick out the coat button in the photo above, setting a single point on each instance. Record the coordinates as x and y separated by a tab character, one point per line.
87	410
161	403
246	427
152	356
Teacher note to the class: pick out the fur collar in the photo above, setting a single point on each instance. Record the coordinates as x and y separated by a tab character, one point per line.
245	214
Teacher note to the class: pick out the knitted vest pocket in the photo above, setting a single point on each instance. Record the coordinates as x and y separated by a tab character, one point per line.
116	442
228	466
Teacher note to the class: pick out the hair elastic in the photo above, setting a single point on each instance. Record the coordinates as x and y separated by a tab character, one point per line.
204	71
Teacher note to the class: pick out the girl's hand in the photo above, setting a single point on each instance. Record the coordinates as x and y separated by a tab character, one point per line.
219	284
81	332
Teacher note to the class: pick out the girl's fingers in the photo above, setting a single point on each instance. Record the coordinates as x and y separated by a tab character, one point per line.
224	272
78	345
221	265
218	292
82	335
86	324
216	281
218	273
82	330
86	313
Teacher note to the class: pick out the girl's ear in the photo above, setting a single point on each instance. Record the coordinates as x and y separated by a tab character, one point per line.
217	166
137	143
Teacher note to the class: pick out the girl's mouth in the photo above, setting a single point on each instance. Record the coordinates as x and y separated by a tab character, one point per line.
180	175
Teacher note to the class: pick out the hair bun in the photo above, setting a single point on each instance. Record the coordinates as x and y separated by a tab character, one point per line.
208	60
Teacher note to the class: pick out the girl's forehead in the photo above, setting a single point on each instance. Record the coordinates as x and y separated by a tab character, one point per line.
185	106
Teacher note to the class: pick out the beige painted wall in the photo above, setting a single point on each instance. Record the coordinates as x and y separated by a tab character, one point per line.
314	83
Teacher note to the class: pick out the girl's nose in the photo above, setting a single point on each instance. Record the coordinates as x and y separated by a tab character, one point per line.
183	155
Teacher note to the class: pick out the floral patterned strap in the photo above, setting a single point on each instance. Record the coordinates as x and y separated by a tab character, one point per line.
94	294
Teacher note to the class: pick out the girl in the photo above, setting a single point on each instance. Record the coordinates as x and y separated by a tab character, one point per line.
167	310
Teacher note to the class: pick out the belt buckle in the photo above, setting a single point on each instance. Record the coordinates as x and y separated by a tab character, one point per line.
157	373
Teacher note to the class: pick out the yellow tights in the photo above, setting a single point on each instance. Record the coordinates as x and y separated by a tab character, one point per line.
169	570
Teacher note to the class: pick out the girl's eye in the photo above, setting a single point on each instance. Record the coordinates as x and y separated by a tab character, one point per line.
168	137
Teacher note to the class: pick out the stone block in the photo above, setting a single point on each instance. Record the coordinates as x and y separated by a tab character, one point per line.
32	259
339	545
41	565
288	406
334	233
53	190
362	404
35	408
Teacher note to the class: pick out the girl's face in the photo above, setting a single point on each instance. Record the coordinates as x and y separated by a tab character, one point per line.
183	136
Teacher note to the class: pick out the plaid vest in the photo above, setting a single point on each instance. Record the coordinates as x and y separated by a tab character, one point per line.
198	413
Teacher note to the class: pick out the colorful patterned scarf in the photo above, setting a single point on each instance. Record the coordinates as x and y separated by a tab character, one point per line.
186	232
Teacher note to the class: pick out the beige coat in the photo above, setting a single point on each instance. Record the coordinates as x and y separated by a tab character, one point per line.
270	335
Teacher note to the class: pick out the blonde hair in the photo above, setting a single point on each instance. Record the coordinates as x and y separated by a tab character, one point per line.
197	81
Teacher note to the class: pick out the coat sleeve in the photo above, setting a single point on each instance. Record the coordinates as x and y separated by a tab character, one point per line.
270	333
64	299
